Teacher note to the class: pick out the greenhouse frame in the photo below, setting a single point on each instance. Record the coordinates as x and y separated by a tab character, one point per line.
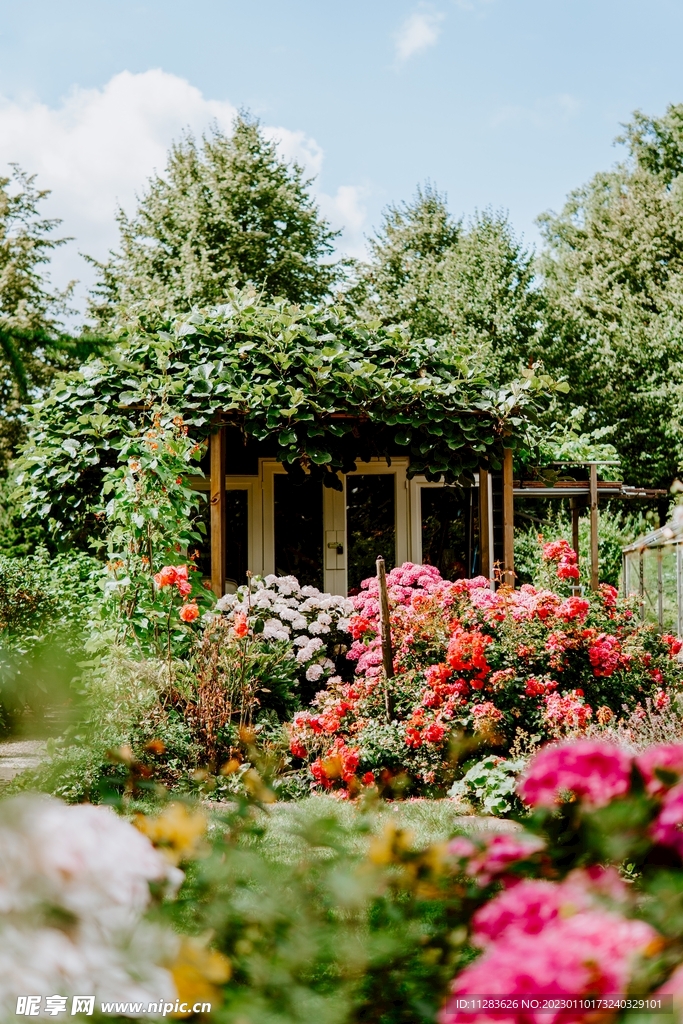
652	570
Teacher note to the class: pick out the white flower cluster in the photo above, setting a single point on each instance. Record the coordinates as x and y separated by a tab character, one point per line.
74	884
303	615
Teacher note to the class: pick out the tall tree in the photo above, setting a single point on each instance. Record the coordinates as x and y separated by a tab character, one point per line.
612	270
473	283
226	212
32	344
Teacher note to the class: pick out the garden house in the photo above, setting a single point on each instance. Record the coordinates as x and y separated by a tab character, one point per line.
260	517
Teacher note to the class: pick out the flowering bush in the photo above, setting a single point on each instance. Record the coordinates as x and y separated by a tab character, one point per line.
493	664
585	932
276	607
583	897
539	910
74	885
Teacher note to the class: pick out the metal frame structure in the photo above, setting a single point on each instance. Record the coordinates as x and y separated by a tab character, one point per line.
652	569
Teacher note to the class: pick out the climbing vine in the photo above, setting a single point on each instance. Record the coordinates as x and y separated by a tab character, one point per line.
324	390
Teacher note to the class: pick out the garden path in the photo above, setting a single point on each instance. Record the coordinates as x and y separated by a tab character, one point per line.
18	755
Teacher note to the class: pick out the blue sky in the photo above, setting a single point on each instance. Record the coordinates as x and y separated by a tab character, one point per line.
508	103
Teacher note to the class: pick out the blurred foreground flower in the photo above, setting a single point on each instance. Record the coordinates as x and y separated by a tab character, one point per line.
197	973
178	831
74	885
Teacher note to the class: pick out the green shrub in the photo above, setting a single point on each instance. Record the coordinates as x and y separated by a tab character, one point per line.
617	528
45	607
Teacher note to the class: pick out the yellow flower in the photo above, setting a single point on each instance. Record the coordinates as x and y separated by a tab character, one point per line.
178	831
197	973
391	846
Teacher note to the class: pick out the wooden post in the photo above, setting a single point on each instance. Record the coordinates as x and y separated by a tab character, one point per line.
574	506
218	512
485	553
594	525
508	520
384	620
385	634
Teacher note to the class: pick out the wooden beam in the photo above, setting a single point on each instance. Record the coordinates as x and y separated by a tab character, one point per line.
508	520
218	512
485	552
594	525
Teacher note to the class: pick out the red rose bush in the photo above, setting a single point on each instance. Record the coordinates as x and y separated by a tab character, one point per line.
469	660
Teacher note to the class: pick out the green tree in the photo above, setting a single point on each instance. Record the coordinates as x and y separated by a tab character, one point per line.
32	344
612	270
472	282
227	212
395	284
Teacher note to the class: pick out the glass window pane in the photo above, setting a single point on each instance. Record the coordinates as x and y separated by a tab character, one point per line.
236	537
299	529
370	524
445	518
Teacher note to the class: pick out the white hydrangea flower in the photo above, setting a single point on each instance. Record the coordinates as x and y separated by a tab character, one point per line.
273	629
287	584
313	673
291	610
225	603
95	868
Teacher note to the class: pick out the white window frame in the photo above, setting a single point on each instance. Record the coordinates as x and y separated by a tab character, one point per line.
252	485
335	575
415	486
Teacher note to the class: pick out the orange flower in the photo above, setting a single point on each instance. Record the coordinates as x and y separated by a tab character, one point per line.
239	625
189	612
166	577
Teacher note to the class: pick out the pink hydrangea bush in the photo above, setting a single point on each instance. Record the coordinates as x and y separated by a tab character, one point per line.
471	660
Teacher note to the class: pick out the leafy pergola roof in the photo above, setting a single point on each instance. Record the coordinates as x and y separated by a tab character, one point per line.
323	389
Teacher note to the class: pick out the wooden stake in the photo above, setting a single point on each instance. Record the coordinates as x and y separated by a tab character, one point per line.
508	520
385	634
217	451
594	525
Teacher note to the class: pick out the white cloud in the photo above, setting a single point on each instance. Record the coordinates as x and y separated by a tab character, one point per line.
418	32
97	149
544	113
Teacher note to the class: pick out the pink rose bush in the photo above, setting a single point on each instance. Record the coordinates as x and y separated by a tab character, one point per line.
471	660
551	915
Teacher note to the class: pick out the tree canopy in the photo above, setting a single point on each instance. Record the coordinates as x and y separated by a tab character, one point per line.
323	389
31	312
227	212
612	275
472	283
